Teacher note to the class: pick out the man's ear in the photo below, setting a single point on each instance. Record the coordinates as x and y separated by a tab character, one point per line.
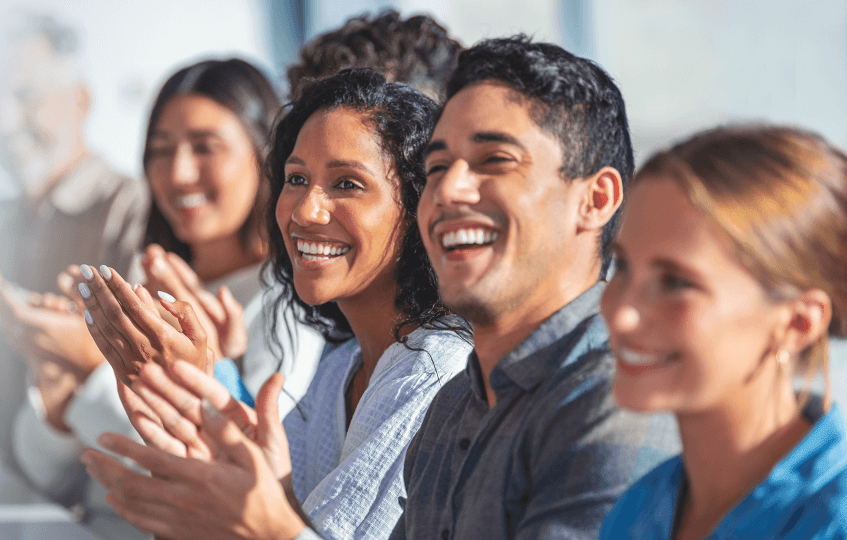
602	197
811	314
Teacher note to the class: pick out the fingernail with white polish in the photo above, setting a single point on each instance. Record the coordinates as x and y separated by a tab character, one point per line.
83	290
87	273
88	318
166	297
105	272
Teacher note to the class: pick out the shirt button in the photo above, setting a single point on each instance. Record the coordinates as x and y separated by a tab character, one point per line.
465	443
445	534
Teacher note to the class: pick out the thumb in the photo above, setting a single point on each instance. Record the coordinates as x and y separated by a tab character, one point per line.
267	406
231	441
269	433
187	318
234	310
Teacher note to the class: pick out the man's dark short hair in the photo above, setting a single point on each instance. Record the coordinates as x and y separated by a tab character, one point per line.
416	51
570	97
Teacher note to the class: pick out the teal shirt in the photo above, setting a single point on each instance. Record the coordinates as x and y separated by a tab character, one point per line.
803	497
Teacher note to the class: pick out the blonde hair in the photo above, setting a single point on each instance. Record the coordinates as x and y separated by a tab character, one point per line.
780	195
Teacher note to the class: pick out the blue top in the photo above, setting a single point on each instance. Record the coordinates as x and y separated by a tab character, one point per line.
804	496
549	459
227	374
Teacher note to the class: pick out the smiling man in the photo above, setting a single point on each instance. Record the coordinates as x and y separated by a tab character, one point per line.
525	174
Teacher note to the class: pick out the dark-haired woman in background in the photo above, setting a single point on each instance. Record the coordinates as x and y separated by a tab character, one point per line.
204	156
205	144
346	171
730	277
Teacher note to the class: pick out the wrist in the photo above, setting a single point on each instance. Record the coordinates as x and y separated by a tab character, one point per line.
56	388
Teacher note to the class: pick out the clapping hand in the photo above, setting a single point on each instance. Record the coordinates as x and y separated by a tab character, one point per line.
129	331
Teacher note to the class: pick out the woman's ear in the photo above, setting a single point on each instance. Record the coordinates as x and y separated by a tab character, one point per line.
603	196
812	312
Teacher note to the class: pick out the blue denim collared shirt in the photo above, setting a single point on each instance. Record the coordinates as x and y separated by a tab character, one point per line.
549	459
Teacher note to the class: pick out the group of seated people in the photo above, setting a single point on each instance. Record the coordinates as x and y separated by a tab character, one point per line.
430	297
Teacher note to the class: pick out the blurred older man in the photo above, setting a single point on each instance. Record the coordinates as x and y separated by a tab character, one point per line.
71	207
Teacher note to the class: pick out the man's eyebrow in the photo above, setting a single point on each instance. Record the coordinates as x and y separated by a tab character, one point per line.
478	138
496	136
434	146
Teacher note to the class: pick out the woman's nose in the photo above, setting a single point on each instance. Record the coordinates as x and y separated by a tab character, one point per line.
185	170
311	209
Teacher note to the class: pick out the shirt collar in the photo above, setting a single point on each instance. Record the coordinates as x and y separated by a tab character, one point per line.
528	364
87	183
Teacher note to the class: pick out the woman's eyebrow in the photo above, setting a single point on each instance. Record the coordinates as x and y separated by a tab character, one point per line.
339	163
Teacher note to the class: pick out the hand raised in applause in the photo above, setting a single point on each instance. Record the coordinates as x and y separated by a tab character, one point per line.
232	492
129	331
221	316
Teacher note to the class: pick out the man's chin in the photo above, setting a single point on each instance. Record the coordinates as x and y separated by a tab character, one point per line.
476	311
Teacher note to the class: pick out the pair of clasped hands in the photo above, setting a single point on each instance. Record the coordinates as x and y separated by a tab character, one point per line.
219	469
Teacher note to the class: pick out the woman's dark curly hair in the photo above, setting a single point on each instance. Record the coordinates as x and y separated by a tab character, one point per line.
403	118
246	92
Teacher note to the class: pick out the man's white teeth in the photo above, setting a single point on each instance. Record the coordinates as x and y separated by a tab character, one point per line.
638	359
468	237
193	200
324	250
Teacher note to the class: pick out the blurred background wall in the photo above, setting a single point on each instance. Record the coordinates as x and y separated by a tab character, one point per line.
682	65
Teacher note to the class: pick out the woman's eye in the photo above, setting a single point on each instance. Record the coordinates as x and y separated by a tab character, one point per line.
295	180
345	184
675	283
160	151
435	169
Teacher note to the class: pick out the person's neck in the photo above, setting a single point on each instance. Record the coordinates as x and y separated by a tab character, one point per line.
729	449
496	338
372	320
216	259
73	159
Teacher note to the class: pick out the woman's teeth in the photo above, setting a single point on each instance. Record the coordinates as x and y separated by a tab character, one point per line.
638	359
187	202
467	237
318	251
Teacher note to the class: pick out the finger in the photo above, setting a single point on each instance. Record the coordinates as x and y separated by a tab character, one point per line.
109	471
68	282
229	438
175	423
189	278
114	350
184	313
134	405
168	280
144	318
55	302
106	313
131	485
234	310
144	295
154	460
205	386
